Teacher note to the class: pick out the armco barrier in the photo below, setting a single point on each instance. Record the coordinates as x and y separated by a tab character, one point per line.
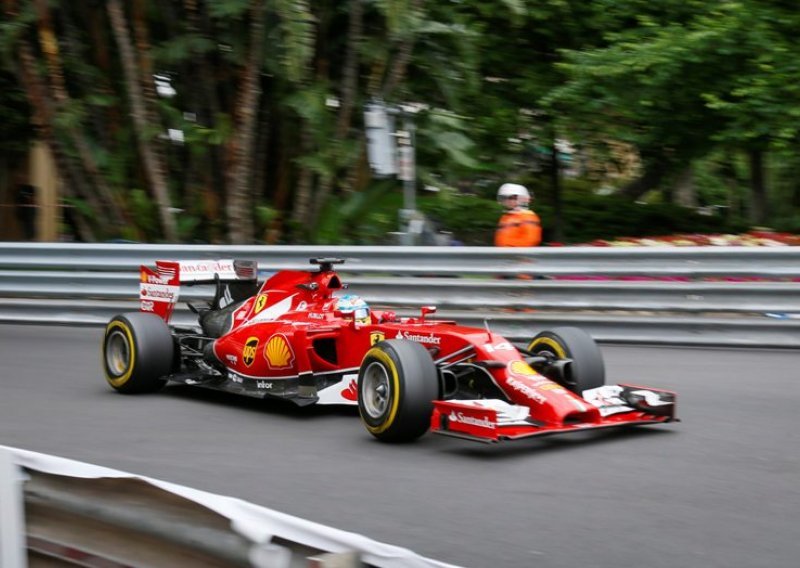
62	512
729	296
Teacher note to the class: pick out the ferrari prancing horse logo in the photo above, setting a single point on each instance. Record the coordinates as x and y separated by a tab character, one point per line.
376	337
261	301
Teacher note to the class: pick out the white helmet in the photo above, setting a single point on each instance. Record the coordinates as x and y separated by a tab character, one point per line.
514	190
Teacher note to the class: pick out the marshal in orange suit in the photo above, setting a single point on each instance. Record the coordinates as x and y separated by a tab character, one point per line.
519	226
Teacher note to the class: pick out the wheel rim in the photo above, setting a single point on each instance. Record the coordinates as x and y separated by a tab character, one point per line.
375	390
118	353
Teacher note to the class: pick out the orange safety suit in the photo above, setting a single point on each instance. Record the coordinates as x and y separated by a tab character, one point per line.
518	227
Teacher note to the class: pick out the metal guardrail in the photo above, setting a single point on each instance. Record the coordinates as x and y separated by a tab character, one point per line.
690	262
685	296
58	512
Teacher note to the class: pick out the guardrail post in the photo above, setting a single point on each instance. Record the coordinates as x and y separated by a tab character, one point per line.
12	514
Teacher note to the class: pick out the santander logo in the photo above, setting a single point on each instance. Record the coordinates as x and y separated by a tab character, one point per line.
462	418
429	339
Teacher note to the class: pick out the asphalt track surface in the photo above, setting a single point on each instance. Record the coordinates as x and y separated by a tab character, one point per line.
719	489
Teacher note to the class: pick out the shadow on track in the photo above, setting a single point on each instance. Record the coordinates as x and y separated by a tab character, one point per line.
274	406
555	443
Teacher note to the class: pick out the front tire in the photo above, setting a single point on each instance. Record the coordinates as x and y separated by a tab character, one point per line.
397	384
585	370
138	352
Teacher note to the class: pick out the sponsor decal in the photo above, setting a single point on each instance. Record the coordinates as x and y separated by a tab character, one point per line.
157	291
429	339
526	390
521	368
273	312
166	273
351	392
278	352
261	301
376	337
233	359
504	346
154	279
189	267
316	316
266	385
249	351
147	305
234	378
461	418
301	306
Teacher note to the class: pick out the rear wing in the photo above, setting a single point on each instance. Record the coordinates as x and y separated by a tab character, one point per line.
159	287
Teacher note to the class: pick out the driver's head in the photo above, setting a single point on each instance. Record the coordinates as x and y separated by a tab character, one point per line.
350	304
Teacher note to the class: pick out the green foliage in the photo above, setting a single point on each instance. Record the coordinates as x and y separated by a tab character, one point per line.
470	218
16	130
145	213
298	38
679	82
360	218
592	217
178	49
228	9
473	219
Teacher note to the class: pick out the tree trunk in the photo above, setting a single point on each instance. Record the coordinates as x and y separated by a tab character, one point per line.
555	184
109	215
300	211
685	192
204	102
397	71
758	188
139	113
652	177
348	93
239	191
42	115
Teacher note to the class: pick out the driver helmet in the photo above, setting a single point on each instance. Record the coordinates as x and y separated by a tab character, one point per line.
510	190
355	305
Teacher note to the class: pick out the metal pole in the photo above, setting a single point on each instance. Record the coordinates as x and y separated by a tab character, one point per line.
12	514
410	178
407	173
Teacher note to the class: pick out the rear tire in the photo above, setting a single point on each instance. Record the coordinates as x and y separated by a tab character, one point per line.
397	384
138	352
586	369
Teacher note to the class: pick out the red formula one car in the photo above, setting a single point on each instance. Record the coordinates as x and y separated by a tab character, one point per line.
299	336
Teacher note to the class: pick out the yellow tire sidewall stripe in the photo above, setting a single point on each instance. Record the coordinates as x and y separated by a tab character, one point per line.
125	377
389	363
553	344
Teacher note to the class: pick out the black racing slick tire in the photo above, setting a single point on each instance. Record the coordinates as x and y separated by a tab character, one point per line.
585	370
397	384
138	352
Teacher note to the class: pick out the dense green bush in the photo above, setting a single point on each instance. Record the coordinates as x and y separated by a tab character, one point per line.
587	217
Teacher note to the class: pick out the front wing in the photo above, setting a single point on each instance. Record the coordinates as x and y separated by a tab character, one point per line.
495	420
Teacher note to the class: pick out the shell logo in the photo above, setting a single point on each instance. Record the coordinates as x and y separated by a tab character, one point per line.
278	352
521	368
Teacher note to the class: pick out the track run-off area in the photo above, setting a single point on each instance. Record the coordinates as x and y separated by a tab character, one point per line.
719	489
